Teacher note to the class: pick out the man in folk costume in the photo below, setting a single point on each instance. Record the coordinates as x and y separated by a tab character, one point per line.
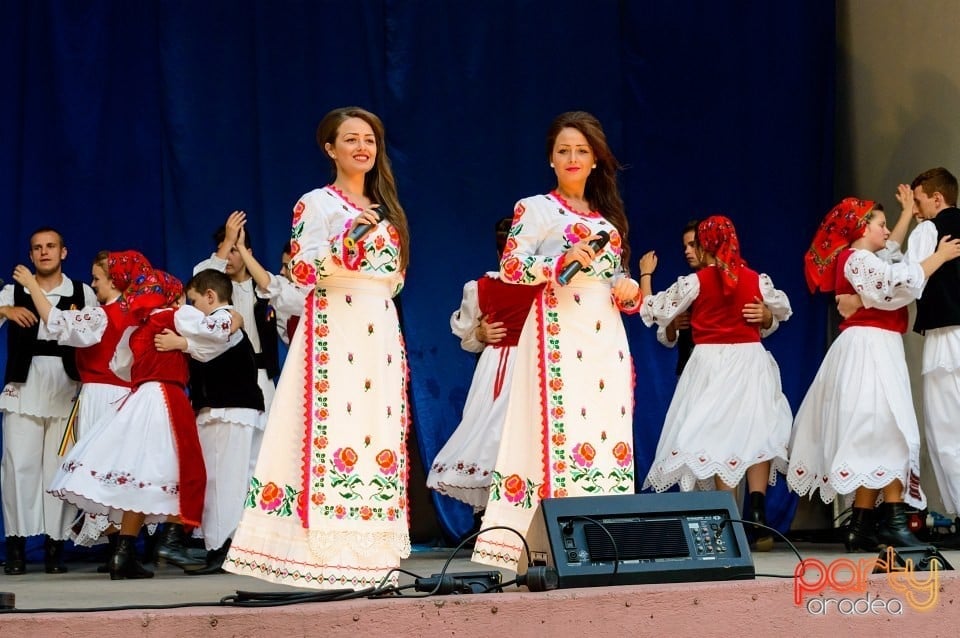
41	383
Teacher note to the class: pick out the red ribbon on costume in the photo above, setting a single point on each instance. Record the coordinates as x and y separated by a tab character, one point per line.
501	371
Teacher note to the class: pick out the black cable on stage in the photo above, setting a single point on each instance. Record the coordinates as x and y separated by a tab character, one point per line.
771	529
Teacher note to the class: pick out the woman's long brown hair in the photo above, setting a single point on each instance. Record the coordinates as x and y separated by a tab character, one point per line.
379	185
601	192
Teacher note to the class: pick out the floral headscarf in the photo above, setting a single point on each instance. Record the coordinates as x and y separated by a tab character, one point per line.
843	225
717	236
158	289
126	266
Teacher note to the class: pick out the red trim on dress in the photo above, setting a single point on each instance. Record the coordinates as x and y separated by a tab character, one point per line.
308	317
544	405
557	196
342	196
406	429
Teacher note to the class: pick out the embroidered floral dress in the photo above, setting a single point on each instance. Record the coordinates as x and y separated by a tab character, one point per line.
327	505
569	424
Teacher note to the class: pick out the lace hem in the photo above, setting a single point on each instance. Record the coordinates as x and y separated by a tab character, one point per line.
329	546
698	471
474	495
844	482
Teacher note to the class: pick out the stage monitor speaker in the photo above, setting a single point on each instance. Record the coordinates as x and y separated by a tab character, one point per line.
919	557
640	538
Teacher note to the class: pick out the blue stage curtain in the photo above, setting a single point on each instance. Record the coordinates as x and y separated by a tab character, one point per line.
144	124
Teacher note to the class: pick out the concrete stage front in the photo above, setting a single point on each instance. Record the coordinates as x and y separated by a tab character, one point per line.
761	607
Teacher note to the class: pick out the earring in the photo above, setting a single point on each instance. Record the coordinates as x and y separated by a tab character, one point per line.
551	165
594	166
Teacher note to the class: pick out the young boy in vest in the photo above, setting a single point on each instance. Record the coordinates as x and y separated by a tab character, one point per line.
228	401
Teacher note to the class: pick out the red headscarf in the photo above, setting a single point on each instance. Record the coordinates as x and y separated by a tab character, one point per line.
842	226
124	268
157	289
717	236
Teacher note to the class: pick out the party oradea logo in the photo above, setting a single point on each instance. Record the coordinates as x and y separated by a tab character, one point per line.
840	586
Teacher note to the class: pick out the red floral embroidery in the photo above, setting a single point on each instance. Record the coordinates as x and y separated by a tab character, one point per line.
511	269
270	497
344	459
621	452
514	488
387	461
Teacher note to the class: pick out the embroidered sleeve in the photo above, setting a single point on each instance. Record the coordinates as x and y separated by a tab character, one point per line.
463	322
881	284
662	307
776	302
521	263
208	336
78	328
311	237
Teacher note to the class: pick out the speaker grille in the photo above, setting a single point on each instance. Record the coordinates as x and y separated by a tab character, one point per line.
636	540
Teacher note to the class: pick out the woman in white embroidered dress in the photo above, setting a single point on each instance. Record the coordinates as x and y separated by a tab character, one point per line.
864	444
327	506
728	416
569	424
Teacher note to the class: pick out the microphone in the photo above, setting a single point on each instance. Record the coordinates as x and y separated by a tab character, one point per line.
355	235
571	269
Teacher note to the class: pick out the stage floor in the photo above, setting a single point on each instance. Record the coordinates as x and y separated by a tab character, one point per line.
762	606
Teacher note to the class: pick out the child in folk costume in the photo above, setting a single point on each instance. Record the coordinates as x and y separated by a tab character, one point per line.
327	505
856	431
728	417
95	332
568	429
228	401
464	466
144	463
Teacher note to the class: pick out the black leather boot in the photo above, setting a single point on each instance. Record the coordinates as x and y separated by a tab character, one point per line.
861	535
893	529
762	538
111	550
215	558
173	548
16	563
124	563
53	557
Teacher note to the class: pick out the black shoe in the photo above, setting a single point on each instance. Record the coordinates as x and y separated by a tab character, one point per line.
762	538
111	550
124	563
53	557
173	549
16	563
861	531
215	558
893	529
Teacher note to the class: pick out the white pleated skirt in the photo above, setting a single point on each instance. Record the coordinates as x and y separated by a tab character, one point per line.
727	414
856	426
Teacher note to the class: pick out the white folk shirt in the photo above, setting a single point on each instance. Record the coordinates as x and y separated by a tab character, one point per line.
48	391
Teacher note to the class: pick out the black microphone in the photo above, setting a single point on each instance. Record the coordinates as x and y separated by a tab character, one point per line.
355	235
571	269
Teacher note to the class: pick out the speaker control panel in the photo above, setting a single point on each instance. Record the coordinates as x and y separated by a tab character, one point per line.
707	537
